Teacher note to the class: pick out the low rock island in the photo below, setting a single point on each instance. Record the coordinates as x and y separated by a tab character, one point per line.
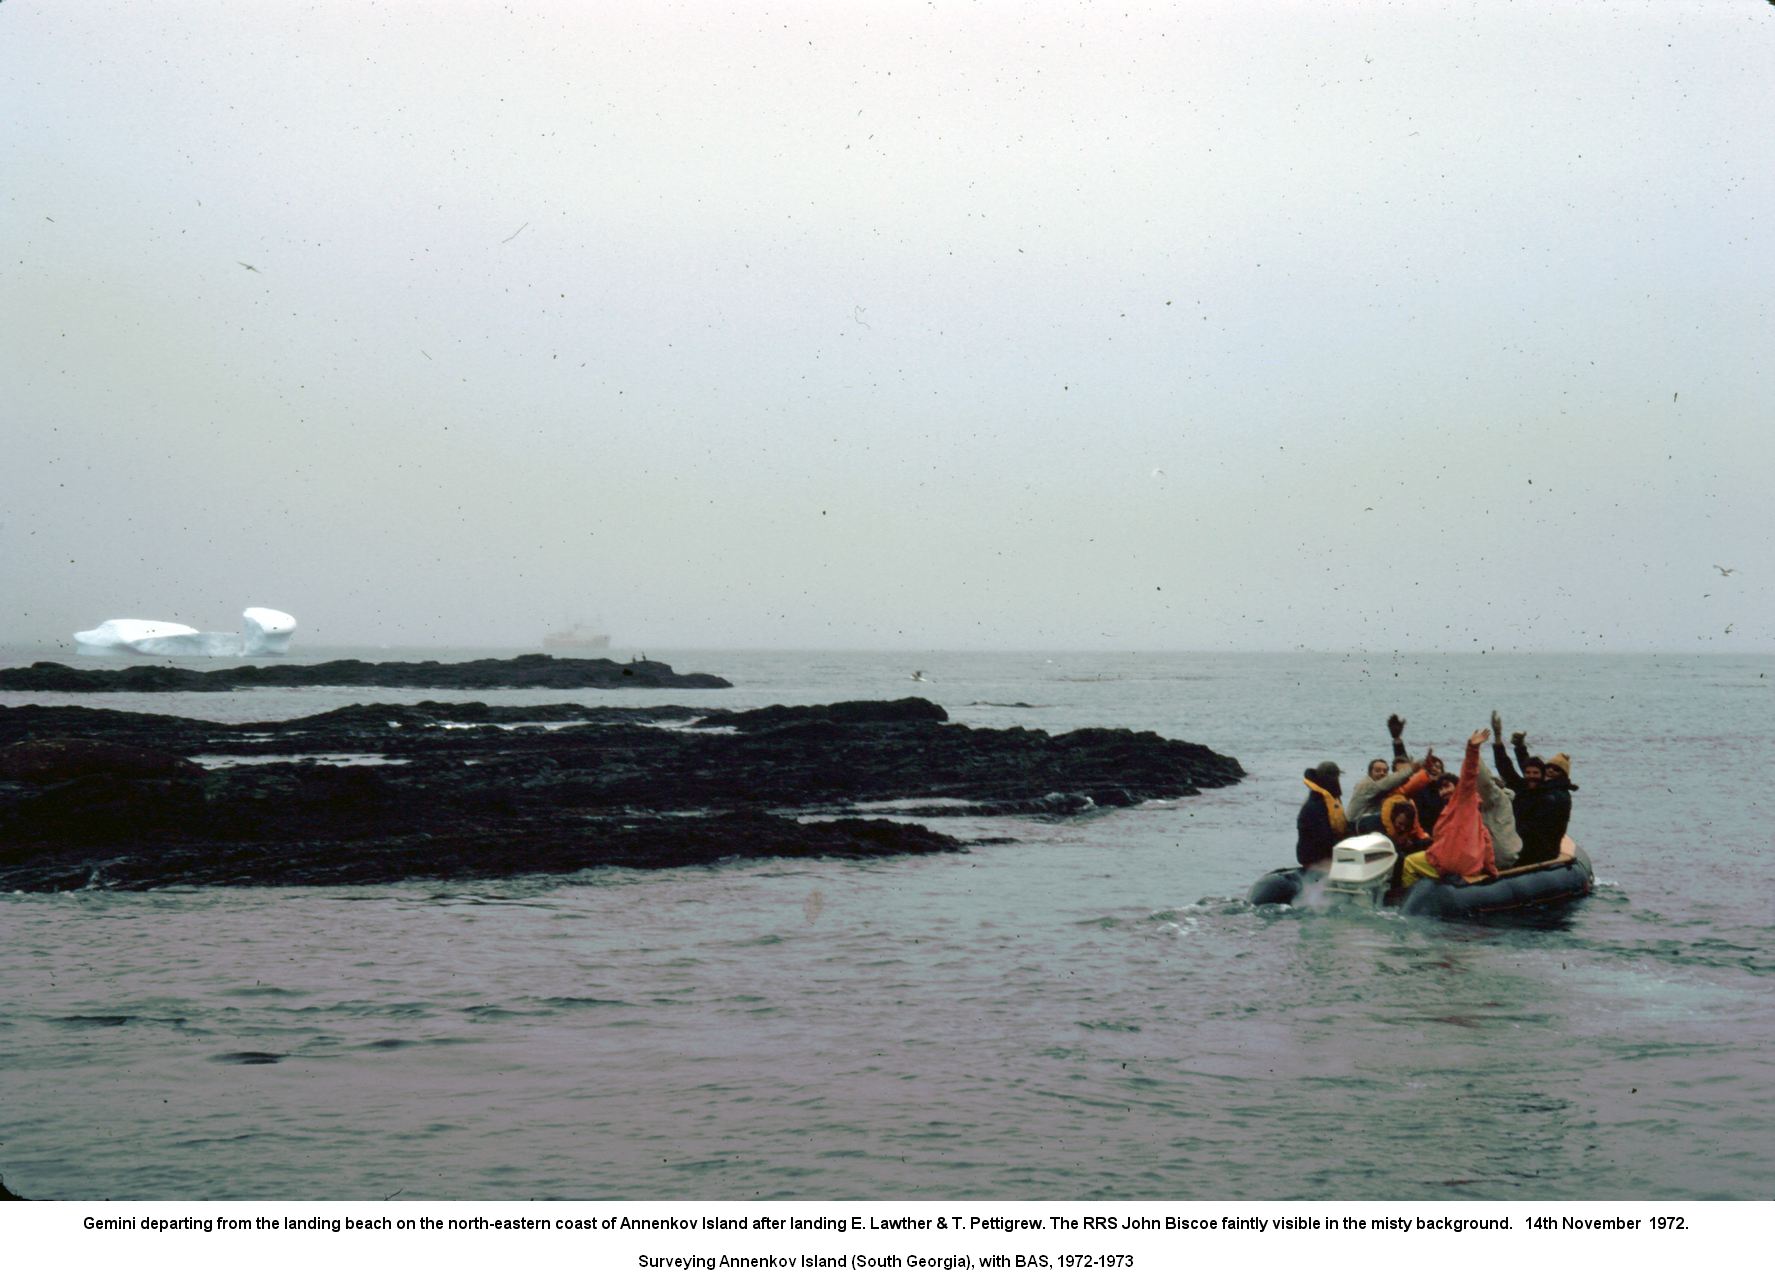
379	793
523	672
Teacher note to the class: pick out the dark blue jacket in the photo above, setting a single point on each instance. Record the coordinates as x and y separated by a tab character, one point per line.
1313	832
1542	814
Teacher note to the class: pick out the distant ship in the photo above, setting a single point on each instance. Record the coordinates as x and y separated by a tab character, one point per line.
575	638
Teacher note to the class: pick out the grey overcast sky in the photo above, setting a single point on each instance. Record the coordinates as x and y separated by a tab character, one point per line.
1213	325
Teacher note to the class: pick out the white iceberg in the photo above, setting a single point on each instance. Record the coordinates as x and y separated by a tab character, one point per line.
115	634
262	632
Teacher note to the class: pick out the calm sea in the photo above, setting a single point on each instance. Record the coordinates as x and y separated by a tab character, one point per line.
1089	1012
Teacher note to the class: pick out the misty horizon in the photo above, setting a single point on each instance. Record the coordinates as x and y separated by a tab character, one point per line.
1238	327
619	651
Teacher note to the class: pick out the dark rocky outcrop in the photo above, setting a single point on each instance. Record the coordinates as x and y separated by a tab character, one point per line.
526	671
869	712
61	759
89	796
490	845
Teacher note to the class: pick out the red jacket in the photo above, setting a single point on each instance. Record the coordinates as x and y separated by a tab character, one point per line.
1462	845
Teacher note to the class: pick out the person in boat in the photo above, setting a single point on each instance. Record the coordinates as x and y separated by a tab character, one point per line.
1530	766
1444	787
1460	845
1407	836
1544	812
1430	798
1419	777
1321	822
1542	797
1426	795
1403	829
1495	808
1364	808
1498	810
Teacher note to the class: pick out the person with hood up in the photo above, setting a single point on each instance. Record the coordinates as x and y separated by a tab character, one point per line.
1402	829
1321	822
1461	844
1364	808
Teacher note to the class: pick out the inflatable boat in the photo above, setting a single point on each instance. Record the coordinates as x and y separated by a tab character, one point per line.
1362	871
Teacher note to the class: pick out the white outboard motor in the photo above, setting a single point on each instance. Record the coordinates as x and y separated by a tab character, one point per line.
1361	869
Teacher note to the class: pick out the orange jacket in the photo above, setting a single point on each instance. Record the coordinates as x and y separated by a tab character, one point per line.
1405	791
1412	838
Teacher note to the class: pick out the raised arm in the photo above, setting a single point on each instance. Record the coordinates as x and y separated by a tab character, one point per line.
1469	779
1415	781
1501	760
1396	727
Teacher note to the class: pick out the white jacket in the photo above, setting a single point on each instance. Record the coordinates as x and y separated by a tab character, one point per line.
1499	818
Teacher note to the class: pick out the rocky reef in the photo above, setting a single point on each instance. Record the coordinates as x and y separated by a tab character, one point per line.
378	793
524	672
